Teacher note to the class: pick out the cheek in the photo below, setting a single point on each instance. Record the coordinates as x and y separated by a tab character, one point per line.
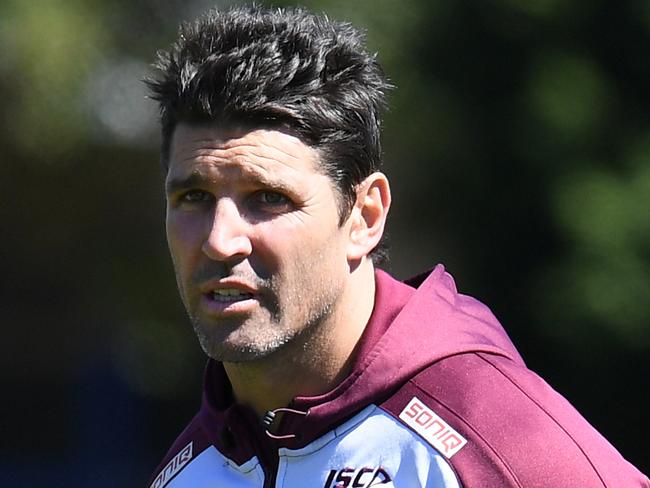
297	249
287	237
184	237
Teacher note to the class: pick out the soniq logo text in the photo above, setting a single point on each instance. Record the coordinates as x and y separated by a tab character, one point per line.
435	431
357	478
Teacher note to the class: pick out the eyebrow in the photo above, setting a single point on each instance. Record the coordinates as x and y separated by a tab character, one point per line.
194	180
184	183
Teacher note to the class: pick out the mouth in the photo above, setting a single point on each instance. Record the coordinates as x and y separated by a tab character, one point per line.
228	295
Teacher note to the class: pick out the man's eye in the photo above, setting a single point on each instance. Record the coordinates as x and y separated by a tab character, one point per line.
195	196
271	198
271	201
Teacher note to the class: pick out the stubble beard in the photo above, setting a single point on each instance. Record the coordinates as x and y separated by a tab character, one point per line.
288	315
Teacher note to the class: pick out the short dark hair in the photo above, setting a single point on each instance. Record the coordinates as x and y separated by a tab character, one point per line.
285	68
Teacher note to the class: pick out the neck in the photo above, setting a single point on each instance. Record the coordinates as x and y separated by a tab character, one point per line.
314	363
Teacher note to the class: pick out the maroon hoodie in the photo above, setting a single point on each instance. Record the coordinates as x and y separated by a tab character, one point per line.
438	397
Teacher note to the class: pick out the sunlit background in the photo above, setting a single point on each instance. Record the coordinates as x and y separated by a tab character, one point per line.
518	146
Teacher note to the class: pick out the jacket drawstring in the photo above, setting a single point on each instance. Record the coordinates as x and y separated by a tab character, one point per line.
269	417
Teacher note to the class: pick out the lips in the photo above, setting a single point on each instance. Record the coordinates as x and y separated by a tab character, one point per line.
229	295
226	296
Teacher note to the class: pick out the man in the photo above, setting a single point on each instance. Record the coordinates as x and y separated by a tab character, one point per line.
323	371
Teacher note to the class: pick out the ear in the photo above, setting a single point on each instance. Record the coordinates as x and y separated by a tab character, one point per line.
368	215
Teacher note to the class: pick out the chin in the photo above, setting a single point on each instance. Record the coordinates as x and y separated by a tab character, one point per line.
227	352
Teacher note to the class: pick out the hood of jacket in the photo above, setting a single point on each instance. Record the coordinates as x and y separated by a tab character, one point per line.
413	325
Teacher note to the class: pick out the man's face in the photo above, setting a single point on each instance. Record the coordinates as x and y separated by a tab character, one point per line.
253	230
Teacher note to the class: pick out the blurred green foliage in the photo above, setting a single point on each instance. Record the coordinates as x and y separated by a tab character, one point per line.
518	146
51	48
604	215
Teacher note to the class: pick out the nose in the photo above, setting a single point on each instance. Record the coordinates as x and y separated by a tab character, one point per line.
228	236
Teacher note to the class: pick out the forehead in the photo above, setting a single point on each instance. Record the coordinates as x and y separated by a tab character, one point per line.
242	151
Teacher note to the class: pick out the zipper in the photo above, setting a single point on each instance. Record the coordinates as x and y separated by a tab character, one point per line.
252	436
269	458
271	472
269	441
